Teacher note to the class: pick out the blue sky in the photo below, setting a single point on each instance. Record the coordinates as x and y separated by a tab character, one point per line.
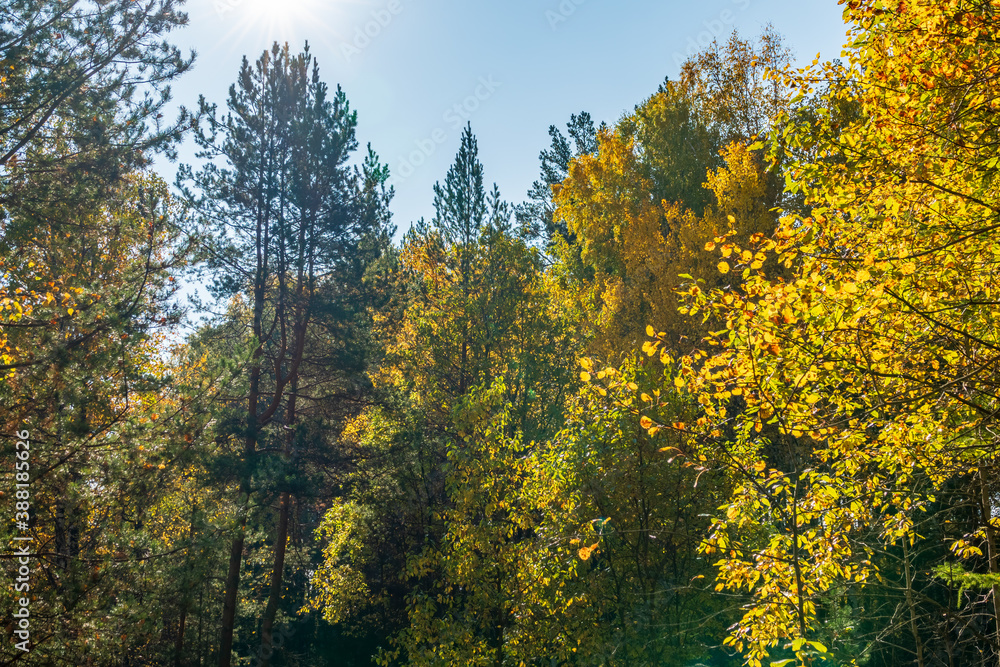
416	70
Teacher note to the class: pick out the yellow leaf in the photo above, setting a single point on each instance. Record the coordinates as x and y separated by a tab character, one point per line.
723	267
585	376
645	422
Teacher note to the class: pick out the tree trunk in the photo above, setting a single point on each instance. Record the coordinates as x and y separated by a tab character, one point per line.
912	605
277	576
179	643
280	543
236	550
229	603
994	558
249	449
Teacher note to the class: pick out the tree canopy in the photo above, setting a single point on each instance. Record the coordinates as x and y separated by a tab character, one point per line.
720	391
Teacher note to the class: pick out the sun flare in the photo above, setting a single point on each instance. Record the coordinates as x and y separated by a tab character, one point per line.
266	21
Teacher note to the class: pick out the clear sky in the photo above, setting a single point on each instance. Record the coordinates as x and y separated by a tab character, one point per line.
416	70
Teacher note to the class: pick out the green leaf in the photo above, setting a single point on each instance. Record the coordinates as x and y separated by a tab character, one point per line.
818	646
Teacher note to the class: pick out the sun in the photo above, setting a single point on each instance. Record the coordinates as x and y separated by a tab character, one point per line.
277	12
259	23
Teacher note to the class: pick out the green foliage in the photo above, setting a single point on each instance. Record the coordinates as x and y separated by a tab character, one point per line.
637	516
956	576
83	85
535	217
452	447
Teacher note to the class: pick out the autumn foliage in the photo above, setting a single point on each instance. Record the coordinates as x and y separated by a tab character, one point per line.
722	391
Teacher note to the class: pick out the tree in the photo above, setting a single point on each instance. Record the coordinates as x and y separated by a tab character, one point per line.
635	519
90	250
866	373
286	200
535	217
641	207
84	86
477	349
90	314
72	125
732	86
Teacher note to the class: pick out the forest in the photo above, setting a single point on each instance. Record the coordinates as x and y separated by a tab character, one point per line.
721	389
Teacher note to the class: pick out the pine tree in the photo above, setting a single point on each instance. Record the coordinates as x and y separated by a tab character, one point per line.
535	217
83	90
290	217
89	249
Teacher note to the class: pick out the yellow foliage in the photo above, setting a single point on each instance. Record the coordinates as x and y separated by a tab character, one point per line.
873	360
639	250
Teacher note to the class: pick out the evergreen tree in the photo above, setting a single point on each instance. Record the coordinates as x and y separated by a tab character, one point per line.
290	220
535	216
84	86
89	250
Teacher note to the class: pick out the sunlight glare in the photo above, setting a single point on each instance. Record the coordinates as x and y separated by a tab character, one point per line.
267	21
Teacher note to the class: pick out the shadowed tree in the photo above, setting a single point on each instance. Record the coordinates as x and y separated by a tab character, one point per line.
289	215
